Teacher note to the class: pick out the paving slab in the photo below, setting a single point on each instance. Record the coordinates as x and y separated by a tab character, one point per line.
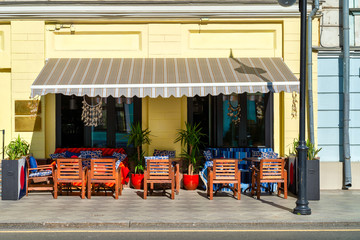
190	209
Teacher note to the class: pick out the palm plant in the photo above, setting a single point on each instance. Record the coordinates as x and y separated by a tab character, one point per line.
17	148
190	137
312	150
138	137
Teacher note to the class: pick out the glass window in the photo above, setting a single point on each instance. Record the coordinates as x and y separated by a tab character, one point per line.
255	123
99	133
124	119
236	120
231	120
117	117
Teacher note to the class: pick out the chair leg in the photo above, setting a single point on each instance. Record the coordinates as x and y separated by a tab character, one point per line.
258	188
116	190
27	187
279	189
55	190
285	189
211	187
252	183
83	190
145	189
89	187
173	189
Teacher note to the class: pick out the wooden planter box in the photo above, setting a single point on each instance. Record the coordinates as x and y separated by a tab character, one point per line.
13	179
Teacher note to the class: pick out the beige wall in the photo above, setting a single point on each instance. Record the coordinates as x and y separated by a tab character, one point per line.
331	175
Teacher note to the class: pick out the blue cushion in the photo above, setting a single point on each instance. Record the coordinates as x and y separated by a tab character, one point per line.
41	173
155	157
58	155
265	155
90	154
208	155
119	156
171	154
71	154
33	163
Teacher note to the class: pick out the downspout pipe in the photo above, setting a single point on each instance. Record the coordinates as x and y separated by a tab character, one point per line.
346	95
309	70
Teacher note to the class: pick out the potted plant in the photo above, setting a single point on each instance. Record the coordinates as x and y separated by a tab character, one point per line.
13	170
312	170
138	137
190	137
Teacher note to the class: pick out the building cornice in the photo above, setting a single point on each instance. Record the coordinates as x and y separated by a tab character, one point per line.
56	10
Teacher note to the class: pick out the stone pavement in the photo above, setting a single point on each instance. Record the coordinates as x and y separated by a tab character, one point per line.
190	209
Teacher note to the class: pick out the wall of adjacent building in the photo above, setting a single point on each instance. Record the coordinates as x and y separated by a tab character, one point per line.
330	97
30	43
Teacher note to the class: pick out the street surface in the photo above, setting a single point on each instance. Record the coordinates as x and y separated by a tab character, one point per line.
327	234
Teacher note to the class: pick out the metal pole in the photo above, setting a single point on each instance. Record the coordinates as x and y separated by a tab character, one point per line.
309	71
302	203
346	96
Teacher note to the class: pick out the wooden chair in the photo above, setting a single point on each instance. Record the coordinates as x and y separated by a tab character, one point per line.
269	171
224	171
104	171
69	170
159	171
41	179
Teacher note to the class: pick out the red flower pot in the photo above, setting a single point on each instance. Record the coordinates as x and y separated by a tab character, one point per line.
191	182
137	181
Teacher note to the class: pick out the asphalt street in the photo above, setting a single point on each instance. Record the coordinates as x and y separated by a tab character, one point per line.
320	234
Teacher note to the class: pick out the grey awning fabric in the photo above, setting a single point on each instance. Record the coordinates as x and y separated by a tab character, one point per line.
164	77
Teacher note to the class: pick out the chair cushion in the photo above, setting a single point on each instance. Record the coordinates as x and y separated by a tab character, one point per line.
155	157
265	155
171	154
69	154
119	156
32	163
58	155
41	173
90	154
208	155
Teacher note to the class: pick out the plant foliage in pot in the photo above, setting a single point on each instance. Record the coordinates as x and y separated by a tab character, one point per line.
138	137
13	170
190	138
312	170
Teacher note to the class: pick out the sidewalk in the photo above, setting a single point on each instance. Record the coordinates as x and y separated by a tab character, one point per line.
190	209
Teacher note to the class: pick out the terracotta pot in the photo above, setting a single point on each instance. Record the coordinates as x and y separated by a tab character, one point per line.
191	182
137	181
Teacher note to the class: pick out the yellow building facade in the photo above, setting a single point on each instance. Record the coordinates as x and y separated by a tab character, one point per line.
27	44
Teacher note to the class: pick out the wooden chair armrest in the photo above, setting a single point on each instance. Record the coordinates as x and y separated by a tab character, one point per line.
255	169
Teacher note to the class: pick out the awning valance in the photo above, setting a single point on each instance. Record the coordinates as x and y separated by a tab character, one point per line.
164	77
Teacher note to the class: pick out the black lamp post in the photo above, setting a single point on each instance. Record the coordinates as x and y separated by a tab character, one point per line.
302	203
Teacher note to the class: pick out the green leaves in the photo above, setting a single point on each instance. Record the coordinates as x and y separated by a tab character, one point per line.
312	150
191	137
17	148
138	137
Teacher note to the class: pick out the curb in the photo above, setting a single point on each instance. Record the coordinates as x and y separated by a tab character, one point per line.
128	225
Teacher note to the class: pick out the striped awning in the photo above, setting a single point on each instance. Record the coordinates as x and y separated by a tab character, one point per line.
164	77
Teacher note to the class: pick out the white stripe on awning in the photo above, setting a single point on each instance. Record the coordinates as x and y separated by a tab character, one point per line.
164	77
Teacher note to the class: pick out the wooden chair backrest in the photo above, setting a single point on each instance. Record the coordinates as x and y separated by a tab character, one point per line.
103	168
225	168
158	168
272	169
69	168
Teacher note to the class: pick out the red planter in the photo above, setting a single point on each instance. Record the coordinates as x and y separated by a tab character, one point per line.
137	181
191	182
